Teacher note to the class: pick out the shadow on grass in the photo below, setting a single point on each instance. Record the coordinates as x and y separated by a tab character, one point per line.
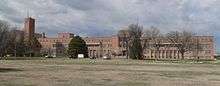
3	70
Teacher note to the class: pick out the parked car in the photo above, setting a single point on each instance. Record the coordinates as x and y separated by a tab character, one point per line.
106	57
49	56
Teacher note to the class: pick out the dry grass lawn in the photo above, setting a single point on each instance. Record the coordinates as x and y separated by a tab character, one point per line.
85	72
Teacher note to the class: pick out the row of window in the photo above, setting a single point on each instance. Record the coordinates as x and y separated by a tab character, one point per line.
90	40
175	51
206	46
106	45
205	40
94	52
175	57
55	40
103	46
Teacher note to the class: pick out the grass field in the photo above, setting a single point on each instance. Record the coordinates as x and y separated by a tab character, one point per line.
86	72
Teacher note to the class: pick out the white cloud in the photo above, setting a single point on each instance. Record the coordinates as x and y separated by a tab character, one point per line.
105	17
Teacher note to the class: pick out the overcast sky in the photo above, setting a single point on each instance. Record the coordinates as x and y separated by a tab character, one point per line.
106	17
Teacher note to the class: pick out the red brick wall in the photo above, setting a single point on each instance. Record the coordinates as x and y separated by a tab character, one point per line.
29	27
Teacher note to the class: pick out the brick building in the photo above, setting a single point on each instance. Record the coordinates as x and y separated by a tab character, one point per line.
29	28
55	46
102	46
169	51
114	45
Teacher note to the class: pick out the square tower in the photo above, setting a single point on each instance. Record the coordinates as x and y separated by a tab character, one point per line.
29	28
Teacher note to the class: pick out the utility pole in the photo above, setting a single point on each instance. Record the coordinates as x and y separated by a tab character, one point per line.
15	52
101	49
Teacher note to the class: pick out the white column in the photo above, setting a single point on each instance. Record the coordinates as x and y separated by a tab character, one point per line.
165	54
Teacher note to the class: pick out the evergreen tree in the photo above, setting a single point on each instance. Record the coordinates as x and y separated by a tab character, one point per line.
77	46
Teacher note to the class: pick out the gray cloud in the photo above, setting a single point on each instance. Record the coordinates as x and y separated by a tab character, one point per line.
105	17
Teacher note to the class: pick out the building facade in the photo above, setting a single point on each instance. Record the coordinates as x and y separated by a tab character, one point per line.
102	46
29	28
56	46
168	51
114	46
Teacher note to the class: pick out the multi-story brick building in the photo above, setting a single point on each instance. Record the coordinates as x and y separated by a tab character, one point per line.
101	46
57	45
168	51
114	45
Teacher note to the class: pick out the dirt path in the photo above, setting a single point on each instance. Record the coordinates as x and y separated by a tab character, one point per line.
65	73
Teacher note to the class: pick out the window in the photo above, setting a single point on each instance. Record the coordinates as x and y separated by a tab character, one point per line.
210	40
207	52
54	45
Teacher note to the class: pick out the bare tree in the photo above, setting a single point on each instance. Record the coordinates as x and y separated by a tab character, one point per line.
4	28
16	45
182	40
135	46
153	40
124	38
33	47
174	38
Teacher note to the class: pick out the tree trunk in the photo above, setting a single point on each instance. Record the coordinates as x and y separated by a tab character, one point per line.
182	55
127	52
15	52
158	54
178	56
